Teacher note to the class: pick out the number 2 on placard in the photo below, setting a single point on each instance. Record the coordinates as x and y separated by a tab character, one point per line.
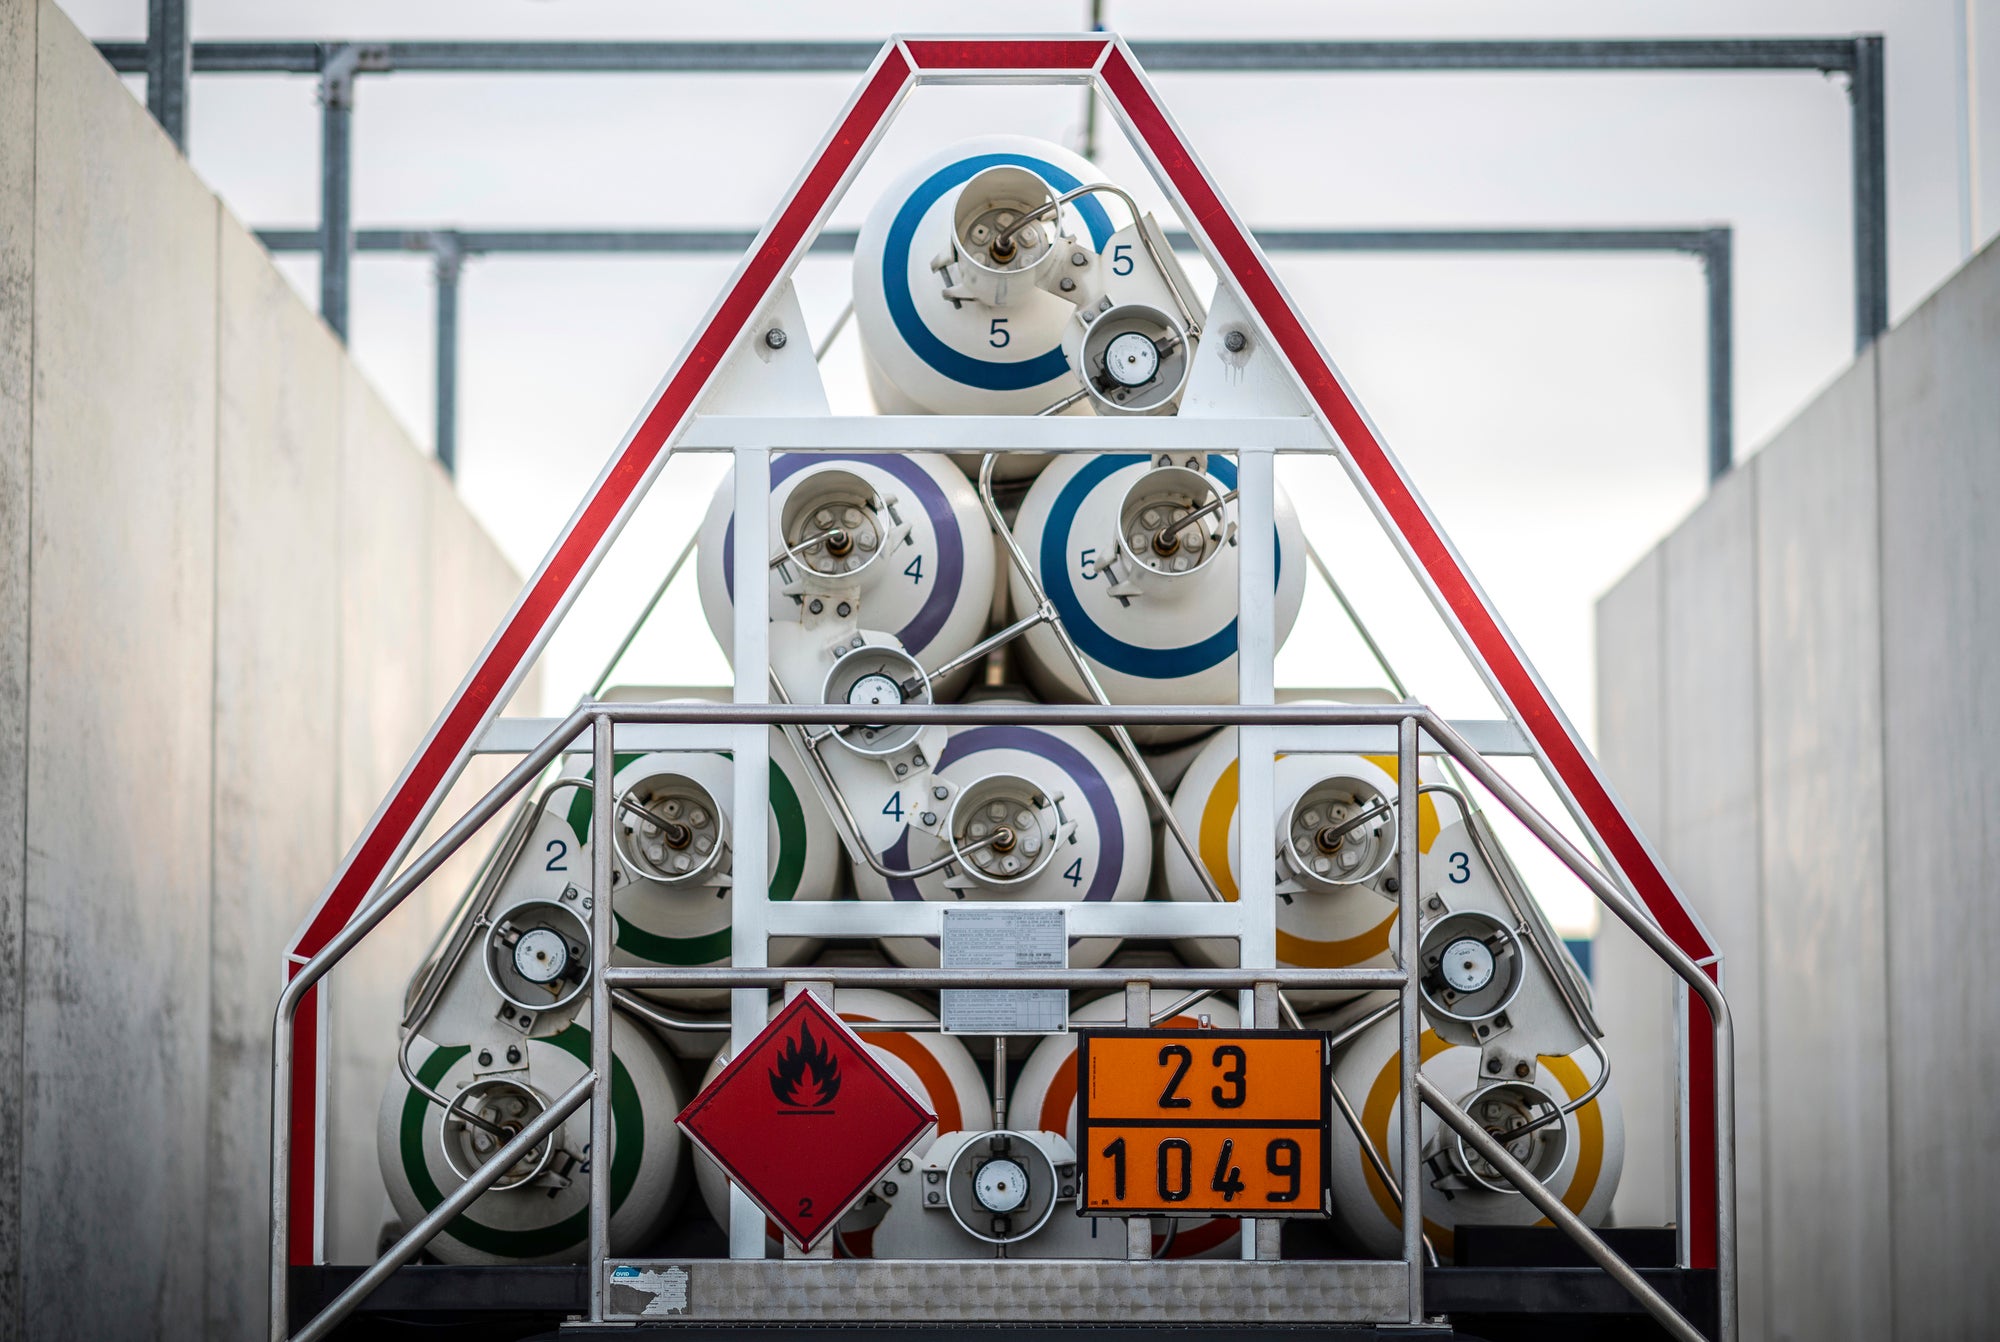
1175	1053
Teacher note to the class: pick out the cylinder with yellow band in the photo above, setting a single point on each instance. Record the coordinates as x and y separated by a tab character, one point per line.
1578	1156
1332	849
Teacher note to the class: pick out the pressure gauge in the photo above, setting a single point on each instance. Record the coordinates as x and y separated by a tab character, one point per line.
874	690
876	675
1131	359
541	955
1001	1185
1471	967
537	954
1467	965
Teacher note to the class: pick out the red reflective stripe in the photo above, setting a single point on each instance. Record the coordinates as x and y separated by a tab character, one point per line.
1075	53
400	817
1537	715
603	508
1701	1132
302	1217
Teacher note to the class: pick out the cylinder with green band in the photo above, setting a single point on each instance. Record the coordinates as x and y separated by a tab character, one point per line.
539	1211
686	923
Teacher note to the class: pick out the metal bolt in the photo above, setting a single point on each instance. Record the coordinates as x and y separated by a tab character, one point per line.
776	337
816	606
940	792
929	817
888	1188
485	1057
932	1198
844	609
1493	1065
1079	258
906	1164
1066	284
918	760
1521	1070
513	1053
1236	342
1392	885
902	769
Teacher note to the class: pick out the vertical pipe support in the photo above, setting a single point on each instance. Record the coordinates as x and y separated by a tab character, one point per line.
1256	656
602	932
169	67
1409	1158
750	788
447	262
1138	1016
1868	106
1718	266
338	64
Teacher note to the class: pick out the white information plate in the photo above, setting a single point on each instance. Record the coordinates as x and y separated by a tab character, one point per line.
992	936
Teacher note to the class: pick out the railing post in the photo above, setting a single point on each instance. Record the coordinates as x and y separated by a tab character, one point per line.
602	930
1410	1016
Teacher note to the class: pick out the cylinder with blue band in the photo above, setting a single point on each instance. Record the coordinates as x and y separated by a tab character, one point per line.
1161	637
927	354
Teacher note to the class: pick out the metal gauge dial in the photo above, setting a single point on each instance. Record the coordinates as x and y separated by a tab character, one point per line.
541	955
1131	359
1001	1185
1467	965
875	689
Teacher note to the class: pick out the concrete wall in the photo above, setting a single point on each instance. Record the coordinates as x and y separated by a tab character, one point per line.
233	595
1797	694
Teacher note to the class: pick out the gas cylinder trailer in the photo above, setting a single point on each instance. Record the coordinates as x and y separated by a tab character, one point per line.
998	949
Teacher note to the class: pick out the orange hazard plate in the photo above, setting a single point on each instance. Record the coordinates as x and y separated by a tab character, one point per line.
1177	1122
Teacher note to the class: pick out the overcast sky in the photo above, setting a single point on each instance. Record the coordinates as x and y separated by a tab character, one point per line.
1550	408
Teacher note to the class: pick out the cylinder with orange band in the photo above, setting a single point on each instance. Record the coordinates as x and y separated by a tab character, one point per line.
1045	1098
1578	1156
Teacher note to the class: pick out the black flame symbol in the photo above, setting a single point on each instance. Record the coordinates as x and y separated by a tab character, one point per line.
806	1074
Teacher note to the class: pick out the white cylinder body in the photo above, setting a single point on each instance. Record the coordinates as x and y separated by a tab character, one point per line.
1110	858
926	354
544	1220
932	592
936	1068
687	925
1044	1098
1584	1176
1345	927
1172	642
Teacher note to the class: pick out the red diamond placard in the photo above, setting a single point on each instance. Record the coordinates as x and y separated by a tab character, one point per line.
805	1120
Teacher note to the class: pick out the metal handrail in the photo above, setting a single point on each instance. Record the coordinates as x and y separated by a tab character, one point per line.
424	1231
1411	720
